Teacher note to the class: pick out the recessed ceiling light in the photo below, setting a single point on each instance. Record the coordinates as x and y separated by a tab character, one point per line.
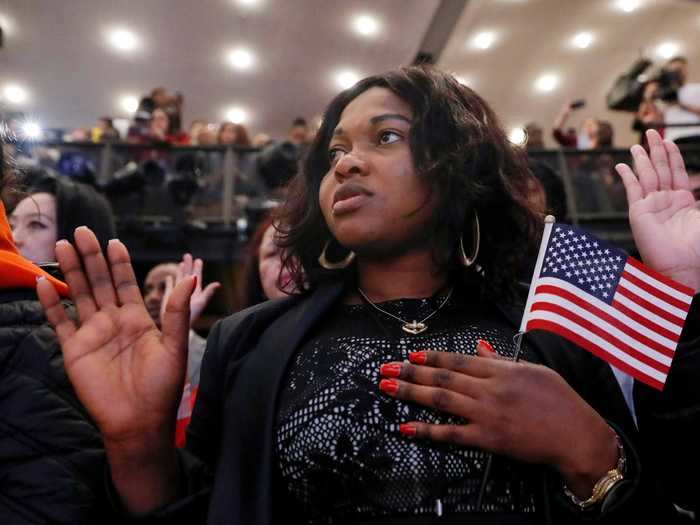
241	58
667	50
517	136
582	40
346	79
237	115
247	3
129	103
547	82
628	6
15	94
7	24
366	25
31	130
123	39
484	40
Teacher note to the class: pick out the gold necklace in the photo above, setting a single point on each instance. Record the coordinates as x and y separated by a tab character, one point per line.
415	327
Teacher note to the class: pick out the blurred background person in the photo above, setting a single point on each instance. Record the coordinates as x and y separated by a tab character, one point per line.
535	136
264	277
53	207
684	103
650	114
104	131
233	134
157	287
52	460
196	128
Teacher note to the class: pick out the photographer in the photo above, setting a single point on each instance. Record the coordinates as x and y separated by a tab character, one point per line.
586	138
684	102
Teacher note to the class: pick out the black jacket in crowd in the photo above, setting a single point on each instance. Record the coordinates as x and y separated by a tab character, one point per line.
51	455
228	467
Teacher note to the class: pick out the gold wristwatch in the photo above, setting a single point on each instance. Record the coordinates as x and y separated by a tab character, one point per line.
605	484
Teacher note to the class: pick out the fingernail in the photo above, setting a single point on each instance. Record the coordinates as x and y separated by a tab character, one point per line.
40	278
113	241
408	430
389	386
390	370
485	345
418	358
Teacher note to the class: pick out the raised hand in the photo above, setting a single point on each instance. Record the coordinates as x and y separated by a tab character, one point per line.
190	267
126	372
521	410
664	219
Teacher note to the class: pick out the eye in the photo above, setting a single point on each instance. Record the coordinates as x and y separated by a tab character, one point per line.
334	154
36	225
388	137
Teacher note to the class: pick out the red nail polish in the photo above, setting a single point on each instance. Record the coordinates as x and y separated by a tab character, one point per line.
418	358
390	370
485	345
408	430
389	386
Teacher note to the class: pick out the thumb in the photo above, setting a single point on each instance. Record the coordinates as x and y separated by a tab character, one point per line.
169	285
176	317
210	290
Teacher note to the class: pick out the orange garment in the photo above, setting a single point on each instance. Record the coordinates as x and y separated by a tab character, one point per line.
15	270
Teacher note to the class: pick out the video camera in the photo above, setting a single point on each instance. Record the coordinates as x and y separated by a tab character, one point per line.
627	92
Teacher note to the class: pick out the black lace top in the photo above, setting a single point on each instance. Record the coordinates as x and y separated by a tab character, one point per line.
339	449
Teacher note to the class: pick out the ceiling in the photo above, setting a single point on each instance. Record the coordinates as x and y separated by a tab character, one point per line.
57	51
533	38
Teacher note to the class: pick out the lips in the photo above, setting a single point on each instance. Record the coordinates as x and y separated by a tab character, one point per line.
349	197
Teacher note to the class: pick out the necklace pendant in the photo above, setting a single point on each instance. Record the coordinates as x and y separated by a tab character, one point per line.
414	328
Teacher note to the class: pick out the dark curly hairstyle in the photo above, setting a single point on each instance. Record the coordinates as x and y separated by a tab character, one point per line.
461	151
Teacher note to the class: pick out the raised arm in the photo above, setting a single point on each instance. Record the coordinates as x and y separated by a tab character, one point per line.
126	372
664	219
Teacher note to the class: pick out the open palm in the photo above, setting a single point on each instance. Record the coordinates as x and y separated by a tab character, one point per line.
664	219
126	372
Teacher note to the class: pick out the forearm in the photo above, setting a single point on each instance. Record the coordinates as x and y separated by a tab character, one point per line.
144	474
560	120
692	109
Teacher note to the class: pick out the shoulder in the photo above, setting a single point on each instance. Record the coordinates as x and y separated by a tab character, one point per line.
258	316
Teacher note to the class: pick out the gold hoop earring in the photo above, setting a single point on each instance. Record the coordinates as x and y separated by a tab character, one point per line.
468	261
339	265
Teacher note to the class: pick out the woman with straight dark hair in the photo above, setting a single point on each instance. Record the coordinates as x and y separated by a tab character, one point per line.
51	456
389	391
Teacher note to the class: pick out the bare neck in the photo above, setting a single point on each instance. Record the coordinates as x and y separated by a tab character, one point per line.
410	276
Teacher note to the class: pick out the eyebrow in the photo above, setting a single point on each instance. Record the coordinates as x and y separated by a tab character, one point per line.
39	215
375	120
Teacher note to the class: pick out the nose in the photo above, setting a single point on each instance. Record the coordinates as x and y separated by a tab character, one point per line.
349	165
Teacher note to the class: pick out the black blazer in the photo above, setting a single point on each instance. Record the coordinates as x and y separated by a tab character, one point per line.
228	470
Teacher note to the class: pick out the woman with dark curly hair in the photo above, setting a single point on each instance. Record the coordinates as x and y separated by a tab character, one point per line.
389	391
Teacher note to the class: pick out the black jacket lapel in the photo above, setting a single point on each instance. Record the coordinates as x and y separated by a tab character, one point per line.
247	462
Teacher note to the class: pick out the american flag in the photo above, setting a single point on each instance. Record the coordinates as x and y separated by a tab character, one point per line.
606	302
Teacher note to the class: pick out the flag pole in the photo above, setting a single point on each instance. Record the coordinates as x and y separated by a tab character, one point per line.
549	221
